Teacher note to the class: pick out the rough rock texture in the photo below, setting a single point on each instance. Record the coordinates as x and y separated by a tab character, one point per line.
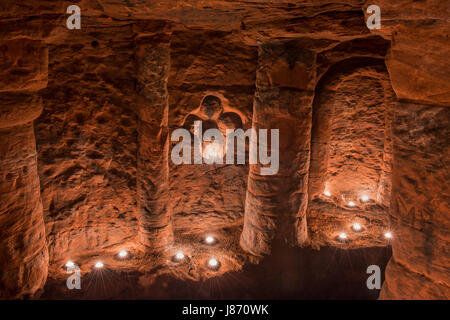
139	69
420	206
351	153
211	80
23	247
356	136
87	142
419	31
24	257
26	71
276	204
155	227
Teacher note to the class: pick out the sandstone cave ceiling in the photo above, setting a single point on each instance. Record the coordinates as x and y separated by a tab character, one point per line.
86	118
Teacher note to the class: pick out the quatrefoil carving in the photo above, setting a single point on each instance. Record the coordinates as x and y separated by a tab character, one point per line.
213	116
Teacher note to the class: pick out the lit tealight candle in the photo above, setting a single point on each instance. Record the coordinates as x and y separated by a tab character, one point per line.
123	254
70	264
99	265
213	263
365	198
356	227
351	204
388	235
212	153
179	256
327	193
342	236
210	240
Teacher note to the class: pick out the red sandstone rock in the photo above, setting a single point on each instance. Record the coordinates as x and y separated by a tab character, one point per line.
23	246
111	92
87	143
155	227
276	204
209	65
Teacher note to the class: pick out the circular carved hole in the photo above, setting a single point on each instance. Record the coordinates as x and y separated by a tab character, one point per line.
211	105
208	124
229	120
189	122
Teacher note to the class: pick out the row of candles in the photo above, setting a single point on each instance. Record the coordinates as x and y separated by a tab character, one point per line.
364	198
356	226
214	264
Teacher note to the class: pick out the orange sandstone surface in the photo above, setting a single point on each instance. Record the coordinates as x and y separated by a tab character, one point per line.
86	117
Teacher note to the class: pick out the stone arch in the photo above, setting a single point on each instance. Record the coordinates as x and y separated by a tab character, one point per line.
351	148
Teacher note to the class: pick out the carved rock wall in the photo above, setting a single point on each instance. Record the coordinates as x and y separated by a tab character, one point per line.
419	200
419	266
211	80
351	152
23	246
276	204
87	142
97	156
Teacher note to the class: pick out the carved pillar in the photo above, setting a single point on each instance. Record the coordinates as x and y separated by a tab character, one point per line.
275	206
155	225
23	249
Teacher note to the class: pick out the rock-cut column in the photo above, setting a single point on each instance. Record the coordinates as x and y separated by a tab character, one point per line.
23	249
275	208
155	226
